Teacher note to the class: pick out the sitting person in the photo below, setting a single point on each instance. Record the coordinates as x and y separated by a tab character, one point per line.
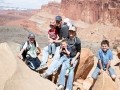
62	32
69	65
104	60
62	54
52	35
74	45
32	51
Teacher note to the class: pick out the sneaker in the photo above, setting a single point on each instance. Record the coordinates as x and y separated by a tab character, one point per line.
44	75
50	56
66	89
60	87
41	67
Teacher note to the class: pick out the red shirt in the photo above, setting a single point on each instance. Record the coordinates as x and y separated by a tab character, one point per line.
53	34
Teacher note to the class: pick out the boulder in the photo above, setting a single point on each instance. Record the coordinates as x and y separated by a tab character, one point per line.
85	64
104	82
15	75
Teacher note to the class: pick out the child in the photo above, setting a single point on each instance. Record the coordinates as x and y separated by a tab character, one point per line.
62	54
52	35
32	48
104	59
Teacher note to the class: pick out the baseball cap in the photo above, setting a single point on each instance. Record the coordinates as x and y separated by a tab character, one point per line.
31	35
73	28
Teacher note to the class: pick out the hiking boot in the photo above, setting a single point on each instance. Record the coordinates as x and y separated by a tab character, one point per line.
41	67
44	75
60	87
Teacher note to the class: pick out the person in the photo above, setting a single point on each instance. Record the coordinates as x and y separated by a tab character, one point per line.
75	45
62	54
104	62
62	33
52	35
58	21
33	50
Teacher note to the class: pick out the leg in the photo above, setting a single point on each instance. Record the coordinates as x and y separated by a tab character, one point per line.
61	80
94	76
45	55
70	79
53	48
55	65
112	73
50	48
95	73
37	62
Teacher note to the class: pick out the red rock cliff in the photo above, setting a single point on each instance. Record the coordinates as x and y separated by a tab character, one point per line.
92	10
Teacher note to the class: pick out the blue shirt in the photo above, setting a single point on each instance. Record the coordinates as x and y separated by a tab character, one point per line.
105	57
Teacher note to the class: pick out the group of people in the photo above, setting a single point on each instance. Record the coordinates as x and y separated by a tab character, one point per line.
64	49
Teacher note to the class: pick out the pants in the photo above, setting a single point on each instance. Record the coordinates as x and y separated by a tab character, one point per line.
61	80
46	53
51	48
56	63
33	63
97	70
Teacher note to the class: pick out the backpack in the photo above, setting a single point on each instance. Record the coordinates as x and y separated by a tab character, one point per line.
27	49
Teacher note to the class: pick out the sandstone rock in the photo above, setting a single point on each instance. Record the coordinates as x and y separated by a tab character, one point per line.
118	52
85	65
104	82
92	10
15	75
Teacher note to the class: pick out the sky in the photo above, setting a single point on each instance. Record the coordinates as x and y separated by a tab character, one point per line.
31	4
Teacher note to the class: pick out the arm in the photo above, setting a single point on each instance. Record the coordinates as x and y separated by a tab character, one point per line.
20	54
49	37
108	65
78	47
109	62
99	62
39	50
24	48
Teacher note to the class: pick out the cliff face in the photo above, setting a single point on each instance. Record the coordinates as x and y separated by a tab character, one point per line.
92	10
52	7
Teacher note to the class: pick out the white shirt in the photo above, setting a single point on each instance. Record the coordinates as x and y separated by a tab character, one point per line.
31	49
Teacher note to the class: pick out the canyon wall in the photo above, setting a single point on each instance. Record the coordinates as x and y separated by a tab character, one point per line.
92	10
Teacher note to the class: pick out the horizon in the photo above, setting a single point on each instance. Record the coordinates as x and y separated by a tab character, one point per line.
27	4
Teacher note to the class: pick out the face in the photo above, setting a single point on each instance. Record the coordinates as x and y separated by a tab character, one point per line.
52	26
58	22
63	44
72	33
104	47
31	40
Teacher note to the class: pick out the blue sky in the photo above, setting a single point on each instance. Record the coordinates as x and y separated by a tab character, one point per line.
32	4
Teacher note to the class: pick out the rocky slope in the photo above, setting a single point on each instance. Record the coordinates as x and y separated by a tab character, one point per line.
15	75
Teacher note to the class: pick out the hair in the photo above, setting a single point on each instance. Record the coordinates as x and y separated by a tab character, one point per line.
64	40
105	42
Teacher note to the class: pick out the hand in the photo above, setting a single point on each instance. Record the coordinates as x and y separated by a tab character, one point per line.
50	41
107	71
20	56
73	61
101	71
38	52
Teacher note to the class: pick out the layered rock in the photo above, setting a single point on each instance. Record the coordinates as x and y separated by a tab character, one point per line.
52	7
92	10
85	64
